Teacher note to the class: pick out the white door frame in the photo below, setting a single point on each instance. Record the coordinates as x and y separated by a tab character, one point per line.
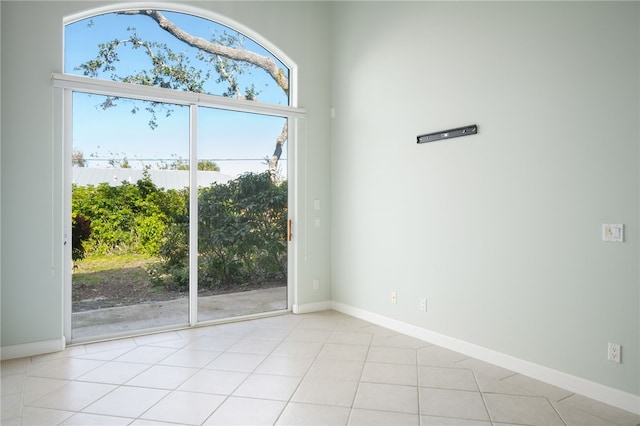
67	84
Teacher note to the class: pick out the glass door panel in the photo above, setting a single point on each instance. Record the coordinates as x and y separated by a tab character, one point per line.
130	198
242	214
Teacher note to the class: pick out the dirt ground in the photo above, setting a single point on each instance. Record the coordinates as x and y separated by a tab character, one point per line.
130	286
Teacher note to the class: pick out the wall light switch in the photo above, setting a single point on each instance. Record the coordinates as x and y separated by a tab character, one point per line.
613	232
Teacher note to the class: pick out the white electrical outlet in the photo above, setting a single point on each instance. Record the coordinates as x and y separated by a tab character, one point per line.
394	297
614	352
316	284
423	305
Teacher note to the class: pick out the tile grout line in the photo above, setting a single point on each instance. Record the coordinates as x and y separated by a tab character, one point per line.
149	366
121	385
364	363
67	382
305	374
535	393
418	382
227	397
482	396
556	411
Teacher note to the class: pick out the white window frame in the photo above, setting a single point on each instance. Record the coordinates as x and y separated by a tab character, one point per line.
66	84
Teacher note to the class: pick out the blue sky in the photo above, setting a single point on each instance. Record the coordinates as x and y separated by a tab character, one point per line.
116	132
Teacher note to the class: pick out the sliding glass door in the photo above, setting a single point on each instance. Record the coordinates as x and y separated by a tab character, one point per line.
176	130
174	225
242	224
129	198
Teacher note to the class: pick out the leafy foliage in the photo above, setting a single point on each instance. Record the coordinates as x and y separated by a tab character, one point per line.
169	69
78	160
180	164
128	218
80	232
241	229
241	236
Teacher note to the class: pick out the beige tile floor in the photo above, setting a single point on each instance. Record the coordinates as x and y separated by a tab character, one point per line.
323	369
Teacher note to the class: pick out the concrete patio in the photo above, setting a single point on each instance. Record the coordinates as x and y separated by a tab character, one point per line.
102	323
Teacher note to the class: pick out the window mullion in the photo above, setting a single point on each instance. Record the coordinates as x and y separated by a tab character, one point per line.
193	214
157	94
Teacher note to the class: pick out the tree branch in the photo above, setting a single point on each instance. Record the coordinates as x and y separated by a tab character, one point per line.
264	62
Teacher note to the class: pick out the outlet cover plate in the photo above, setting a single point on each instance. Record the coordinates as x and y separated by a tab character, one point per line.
613	232
614	352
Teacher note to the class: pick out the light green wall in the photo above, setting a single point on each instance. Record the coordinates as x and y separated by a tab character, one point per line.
501	231
32	289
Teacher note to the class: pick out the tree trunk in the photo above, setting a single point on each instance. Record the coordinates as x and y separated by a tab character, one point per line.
275	158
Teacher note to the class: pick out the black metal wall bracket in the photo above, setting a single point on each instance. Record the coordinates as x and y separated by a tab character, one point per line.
448	134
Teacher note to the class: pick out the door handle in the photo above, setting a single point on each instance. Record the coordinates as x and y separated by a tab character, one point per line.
289	234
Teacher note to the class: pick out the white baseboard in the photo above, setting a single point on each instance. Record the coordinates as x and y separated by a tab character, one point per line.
311	307
599	392
32	349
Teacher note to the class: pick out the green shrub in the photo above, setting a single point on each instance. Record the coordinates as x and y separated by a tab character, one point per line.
80	232
241	236
241	229
127	218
